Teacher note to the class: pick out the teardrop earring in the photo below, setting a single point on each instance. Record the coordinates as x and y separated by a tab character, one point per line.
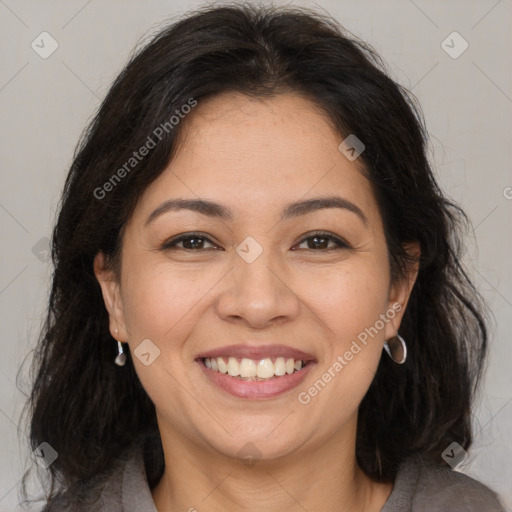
120	359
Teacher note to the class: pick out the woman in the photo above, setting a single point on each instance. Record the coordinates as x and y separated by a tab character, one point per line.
249	221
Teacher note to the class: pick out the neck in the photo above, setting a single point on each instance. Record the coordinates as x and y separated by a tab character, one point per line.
326	475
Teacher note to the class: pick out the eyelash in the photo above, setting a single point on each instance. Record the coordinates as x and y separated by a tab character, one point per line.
341	244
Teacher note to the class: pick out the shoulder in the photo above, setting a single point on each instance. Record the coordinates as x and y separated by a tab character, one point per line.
99	494
426	486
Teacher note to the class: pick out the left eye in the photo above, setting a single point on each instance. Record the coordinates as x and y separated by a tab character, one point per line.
321	241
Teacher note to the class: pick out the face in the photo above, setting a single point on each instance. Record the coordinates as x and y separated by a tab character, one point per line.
256	280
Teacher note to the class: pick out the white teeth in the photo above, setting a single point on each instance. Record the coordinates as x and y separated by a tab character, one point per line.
280	366
233	367
265	369
249	369
223	367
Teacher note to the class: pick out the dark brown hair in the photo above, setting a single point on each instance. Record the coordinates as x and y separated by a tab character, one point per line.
85	407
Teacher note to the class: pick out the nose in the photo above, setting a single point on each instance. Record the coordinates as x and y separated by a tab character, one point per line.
258	294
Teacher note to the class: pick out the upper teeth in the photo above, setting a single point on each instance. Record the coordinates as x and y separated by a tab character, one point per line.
249	368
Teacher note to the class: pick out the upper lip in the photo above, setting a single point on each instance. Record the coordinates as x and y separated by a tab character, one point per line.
257	352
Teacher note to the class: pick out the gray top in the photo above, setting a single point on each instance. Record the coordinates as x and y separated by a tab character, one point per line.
420	486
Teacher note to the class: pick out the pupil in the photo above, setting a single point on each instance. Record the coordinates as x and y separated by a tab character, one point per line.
189	242
315	241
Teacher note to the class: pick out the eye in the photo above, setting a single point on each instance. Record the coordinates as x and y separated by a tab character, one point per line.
315	241
320	241
190	241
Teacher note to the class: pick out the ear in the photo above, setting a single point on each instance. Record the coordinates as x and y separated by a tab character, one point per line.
110	288
400	291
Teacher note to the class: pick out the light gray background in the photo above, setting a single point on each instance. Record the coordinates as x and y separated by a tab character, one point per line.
45	104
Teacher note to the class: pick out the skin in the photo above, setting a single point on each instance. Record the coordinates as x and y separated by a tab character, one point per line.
254	157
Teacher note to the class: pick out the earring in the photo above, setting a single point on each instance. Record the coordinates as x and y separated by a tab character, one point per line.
120	359
397	349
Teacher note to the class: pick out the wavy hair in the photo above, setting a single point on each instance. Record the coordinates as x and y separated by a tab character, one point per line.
88	410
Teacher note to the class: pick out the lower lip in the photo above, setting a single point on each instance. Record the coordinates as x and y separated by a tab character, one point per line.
257	389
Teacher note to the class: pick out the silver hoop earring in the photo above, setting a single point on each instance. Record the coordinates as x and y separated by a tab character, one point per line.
397	349
120	359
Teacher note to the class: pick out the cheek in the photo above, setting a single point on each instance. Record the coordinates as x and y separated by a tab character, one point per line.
160	303
350	299
351	306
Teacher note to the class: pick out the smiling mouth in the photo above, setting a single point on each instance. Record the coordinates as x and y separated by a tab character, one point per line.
254	370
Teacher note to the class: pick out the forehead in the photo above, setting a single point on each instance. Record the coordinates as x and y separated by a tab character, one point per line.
234	126
255	153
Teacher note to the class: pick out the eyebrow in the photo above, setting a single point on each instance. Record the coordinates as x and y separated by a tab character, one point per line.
295	209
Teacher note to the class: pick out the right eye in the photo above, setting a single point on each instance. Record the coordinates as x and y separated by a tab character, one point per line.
190	241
